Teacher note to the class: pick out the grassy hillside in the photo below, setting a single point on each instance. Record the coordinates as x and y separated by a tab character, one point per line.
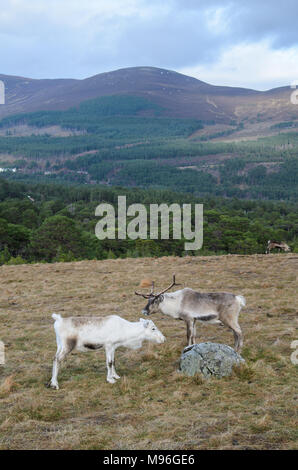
153	406
126	140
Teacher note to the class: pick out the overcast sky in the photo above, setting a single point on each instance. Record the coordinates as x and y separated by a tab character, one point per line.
250	43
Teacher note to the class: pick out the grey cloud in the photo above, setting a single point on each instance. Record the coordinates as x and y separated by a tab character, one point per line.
171	41
254	19
175	35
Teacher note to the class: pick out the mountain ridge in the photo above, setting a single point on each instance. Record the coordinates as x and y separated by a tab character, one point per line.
181	96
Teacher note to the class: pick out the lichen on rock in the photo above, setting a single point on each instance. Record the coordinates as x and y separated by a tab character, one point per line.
209	359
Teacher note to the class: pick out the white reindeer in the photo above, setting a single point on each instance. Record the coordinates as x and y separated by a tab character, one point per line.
91	333
189	305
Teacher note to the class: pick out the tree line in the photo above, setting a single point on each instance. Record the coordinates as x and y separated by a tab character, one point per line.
48	223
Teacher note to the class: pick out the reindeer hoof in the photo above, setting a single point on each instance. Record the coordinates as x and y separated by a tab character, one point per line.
111	381
54	386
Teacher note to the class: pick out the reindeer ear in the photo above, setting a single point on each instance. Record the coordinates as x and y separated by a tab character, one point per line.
146	322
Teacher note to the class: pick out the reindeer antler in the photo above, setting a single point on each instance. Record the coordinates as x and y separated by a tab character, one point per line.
147	296
168	288
151	294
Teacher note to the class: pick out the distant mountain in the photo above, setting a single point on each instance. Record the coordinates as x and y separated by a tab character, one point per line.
179	95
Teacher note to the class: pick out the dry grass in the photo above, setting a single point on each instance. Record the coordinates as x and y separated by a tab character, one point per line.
153	406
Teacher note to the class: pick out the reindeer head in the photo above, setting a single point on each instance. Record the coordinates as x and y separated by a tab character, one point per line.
154	300
152	333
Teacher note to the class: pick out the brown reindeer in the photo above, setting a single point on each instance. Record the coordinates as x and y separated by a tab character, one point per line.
279	245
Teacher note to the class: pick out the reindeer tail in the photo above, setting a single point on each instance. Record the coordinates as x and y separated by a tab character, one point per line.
56	316
241	300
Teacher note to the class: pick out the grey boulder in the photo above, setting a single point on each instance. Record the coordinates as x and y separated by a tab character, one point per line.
209	359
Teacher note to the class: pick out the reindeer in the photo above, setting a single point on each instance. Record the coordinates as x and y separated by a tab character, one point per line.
189	305
280	245
92	333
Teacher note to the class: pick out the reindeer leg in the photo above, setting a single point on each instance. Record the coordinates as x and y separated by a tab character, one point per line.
109	361
54	382
193	336
114	373
238	337
61	354
230	319
189	332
